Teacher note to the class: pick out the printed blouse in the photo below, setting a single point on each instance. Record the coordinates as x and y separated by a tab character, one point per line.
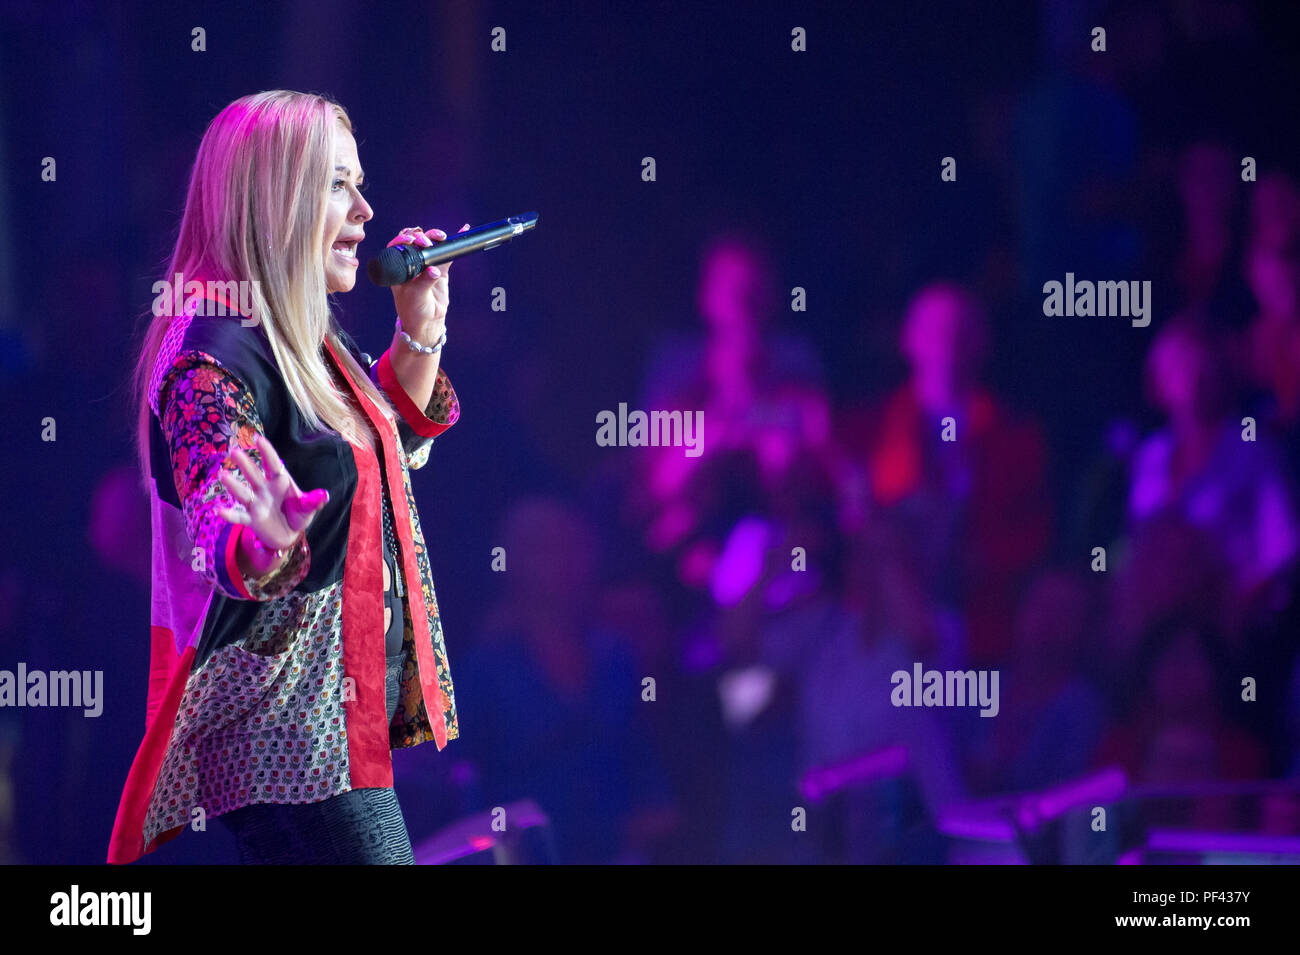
272	689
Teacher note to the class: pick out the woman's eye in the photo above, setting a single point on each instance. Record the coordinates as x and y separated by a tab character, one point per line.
362	187
336	184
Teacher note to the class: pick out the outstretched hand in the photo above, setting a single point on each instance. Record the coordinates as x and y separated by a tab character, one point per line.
270	503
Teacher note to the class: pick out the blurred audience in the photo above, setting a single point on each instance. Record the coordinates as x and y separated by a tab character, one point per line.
1205	274
1052	717
977	503
759	385
1272	267
670	650
1178	728
1205	466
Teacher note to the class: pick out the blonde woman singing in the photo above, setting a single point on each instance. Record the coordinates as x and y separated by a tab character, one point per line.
295	633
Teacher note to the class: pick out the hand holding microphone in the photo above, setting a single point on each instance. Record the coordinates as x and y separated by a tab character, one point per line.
403	260
421	300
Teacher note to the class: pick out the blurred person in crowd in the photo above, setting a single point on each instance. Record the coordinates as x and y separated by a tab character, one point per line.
977	504
1199	466
1179	728
742	349
1272	356
759	386
847	688
1274	210
1165	565
560	699
1206	272
1051	718
807	671
757	696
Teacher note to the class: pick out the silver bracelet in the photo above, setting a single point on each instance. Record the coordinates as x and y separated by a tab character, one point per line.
415	346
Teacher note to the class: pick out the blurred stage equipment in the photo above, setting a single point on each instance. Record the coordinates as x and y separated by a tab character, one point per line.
519	835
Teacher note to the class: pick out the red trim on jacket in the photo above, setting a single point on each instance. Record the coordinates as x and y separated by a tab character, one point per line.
369	755
127	842
416	418
232	562
429	687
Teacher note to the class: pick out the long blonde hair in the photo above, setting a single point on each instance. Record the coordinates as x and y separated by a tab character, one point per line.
255	212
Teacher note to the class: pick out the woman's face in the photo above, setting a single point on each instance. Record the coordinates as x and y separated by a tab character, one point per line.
345	211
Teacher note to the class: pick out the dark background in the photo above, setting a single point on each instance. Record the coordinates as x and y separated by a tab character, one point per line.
832	156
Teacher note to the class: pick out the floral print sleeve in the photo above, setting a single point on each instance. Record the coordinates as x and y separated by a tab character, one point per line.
417	427
443	409
206	411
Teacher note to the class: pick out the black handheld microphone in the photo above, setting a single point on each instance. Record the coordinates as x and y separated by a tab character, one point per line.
402	263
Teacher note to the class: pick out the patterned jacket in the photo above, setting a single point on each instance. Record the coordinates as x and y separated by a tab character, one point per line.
272	689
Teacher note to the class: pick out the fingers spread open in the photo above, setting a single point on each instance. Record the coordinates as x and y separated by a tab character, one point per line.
271	462
248	469
237	487
234	515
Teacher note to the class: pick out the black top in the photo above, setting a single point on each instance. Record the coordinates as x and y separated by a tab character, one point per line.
393	594
316	459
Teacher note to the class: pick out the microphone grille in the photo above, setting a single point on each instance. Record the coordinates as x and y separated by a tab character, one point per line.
387	268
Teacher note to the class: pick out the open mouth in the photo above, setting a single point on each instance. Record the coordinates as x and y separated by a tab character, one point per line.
346	250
